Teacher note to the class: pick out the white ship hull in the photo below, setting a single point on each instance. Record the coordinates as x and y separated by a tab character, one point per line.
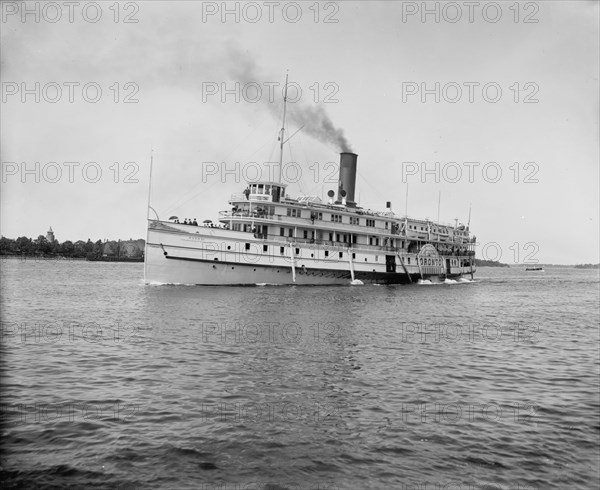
182	254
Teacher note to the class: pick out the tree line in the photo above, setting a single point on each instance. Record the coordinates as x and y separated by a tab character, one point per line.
41	246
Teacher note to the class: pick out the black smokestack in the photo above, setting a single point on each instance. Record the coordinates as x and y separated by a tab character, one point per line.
347	178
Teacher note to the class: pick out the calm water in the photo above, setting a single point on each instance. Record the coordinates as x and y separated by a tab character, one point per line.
110	383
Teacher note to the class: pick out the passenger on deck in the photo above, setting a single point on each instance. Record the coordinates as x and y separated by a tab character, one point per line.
195	223
185	222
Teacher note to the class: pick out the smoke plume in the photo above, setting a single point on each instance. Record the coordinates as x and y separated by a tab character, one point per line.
315	119
317	124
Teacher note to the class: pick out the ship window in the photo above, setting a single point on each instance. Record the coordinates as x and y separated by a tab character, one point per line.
386	225
281	250
408	260
341	255
371	222
336	218
247	246
376	258
326	253
291	233
297	251
228	247
353	255
265	248
354	220
331	237
281	231
305	234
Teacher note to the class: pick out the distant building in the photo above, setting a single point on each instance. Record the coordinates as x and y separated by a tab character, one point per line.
50	236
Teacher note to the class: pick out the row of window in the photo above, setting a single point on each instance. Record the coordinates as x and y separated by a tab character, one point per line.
282	251
423	261
335	218
354	220
336	237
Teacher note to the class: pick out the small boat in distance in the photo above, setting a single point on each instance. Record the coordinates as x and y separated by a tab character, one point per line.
531	269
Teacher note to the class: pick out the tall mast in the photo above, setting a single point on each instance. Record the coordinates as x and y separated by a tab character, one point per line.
469	222
150	184
281	133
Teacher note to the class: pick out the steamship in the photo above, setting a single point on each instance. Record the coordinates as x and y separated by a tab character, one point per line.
269	237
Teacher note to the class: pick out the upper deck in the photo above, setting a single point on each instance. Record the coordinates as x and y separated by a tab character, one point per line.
257	205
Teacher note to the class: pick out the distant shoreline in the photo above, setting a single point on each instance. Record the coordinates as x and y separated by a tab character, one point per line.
35	258
59	258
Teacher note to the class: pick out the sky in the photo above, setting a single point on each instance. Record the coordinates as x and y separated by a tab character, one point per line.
489	112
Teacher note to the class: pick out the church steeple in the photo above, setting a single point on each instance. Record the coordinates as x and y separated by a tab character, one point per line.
50	235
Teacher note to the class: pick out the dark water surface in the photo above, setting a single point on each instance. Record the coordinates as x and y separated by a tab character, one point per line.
108	383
